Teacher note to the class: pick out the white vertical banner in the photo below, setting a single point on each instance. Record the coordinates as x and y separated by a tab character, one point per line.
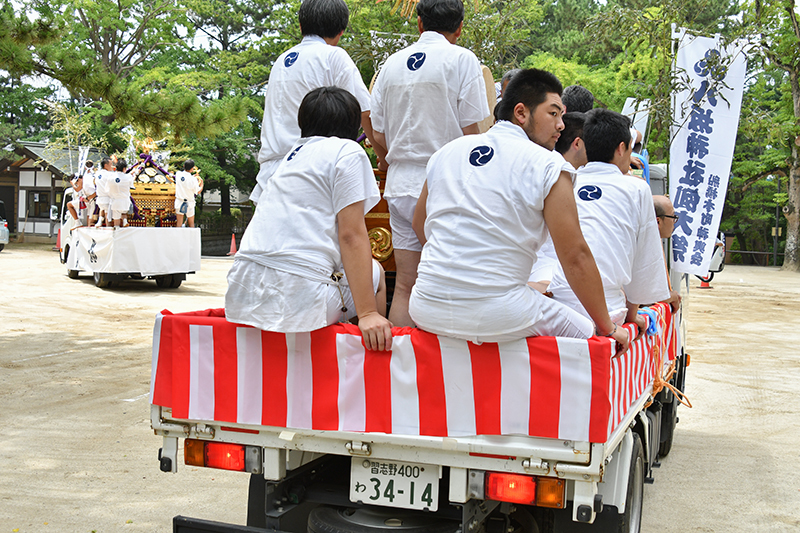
706	118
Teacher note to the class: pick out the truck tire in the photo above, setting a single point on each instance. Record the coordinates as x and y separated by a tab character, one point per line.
326	519
631	520
669	419
73	274
102	280
164	282
176	280
2	245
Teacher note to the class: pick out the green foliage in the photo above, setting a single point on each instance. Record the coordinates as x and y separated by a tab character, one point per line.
21	117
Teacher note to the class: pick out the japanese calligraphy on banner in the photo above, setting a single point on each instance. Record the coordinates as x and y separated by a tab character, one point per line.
706	117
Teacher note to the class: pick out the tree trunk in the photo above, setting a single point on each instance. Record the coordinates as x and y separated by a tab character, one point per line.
225	199
791	260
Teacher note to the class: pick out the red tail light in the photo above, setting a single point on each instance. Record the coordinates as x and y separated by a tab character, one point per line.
514	488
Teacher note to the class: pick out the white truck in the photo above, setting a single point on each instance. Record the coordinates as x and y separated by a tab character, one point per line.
112	255
544	434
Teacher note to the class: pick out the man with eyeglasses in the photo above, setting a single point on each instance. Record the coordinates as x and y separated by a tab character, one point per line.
666	218
665	215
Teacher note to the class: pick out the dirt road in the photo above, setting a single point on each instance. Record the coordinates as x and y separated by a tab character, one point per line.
77	453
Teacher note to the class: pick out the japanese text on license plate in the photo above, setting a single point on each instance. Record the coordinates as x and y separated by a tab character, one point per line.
392	484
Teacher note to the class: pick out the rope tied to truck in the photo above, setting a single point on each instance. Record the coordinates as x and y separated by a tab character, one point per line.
660	383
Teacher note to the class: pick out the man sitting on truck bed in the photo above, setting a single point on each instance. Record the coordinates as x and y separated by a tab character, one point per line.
487	205
616	217
308	228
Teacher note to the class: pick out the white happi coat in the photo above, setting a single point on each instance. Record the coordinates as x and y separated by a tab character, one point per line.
422	97
484	227
311	64
619	224
291	246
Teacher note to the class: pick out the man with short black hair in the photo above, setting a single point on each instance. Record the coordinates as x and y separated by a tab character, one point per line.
578	98
571	144
316	62
188	184
487	206
425	96
616	217
305	260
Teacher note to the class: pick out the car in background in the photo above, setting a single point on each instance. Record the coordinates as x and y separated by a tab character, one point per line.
3	226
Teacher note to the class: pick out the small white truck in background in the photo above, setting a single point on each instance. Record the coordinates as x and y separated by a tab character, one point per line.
112	255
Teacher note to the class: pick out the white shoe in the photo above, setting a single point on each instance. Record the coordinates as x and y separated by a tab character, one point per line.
99	223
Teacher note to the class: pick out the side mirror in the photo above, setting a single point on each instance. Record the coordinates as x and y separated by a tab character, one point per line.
53	212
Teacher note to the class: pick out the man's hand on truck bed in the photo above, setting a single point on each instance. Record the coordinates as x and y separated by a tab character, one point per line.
376	331
623	341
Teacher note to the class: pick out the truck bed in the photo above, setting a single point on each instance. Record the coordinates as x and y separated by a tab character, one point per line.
131	250
431	398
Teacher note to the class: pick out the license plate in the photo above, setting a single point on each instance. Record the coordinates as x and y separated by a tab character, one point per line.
393	484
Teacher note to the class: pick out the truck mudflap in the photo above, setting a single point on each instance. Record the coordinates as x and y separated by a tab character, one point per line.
207	369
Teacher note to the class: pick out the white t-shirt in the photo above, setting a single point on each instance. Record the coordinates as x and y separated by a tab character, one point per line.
311	64
101	185
186	186
484	226
619	225
291	246
423	96
89	187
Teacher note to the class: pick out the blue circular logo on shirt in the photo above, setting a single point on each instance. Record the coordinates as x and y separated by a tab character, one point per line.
590	193
290	59
415	61
294	153
183	178
480	155
117	180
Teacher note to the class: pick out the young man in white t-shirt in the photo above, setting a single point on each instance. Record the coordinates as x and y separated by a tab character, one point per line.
119	185
90	193
305	260
487	205
425	96
316	62
187	185
101	188
616	217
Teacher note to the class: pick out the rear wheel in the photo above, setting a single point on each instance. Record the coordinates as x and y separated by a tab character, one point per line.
101	280
631	520
669	418
2	245
326	519
176	280
73	274
164	282
105	280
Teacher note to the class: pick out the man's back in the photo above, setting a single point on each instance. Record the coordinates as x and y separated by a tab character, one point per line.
311	64
616	217
484	225
424	95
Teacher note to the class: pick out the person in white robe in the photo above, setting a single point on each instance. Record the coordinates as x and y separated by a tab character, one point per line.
616	218
424	96
485	210
305	260
317	61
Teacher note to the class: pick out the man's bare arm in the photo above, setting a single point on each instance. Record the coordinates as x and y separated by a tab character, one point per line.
376	139
357	259
420	214
472	129
577	261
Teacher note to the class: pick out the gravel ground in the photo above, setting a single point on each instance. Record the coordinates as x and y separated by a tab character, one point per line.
77	453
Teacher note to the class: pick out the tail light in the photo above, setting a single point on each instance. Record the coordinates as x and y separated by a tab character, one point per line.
222	455
529	490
